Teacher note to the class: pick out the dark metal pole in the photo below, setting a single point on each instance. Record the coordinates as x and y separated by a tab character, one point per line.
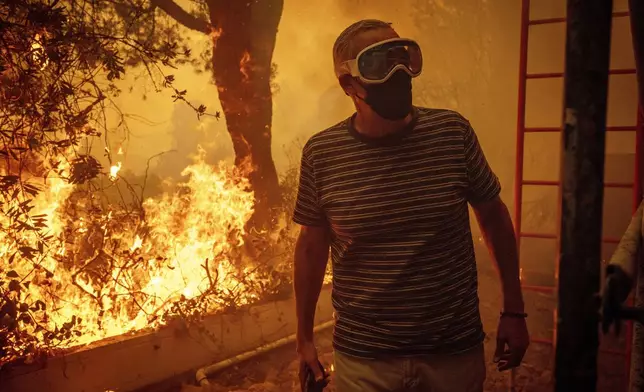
584	138
636	9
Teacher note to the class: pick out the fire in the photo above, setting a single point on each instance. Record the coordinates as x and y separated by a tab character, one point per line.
38	52
111	274
114	170
215	33
244	66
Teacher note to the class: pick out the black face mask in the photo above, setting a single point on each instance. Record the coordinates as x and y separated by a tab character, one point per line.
391	100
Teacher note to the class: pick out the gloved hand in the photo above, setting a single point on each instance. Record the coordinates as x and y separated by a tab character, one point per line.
616	290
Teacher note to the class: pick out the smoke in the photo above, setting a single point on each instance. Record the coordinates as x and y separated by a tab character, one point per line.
471	54
187	132
308	98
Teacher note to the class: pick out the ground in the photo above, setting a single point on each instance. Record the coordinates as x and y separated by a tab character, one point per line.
277	370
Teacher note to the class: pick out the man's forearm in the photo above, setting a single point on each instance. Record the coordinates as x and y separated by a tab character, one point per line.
625	255
498	232
309	268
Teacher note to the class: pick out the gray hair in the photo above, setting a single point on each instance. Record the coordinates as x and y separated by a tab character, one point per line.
343	48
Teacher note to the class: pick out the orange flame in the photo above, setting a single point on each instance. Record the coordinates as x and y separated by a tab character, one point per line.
215	34
114	170
244	66
38	52
197	229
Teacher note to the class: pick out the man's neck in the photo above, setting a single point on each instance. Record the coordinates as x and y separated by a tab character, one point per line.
372	125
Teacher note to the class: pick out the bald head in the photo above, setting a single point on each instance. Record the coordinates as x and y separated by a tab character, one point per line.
358	36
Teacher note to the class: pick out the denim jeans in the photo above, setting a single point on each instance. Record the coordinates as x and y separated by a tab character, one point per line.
435	373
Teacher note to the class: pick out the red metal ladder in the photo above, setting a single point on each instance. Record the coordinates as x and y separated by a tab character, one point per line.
520	181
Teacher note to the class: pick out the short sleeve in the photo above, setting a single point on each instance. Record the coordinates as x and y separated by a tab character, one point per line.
482	184
625	255
307	207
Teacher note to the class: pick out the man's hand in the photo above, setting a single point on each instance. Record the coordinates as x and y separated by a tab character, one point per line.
616	290
496	226
308	356
512	341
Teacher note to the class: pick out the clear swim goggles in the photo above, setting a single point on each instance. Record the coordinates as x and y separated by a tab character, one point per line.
376	63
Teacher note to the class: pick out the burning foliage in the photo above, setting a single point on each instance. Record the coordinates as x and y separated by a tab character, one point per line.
76	267
76	271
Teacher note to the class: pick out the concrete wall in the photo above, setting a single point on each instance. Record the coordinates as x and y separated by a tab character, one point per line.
128	363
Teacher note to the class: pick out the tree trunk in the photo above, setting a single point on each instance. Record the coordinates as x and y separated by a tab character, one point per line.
243	44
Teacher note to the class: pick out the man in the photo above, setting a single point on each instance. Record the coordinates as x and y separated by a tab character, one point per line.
622	275
387	191
626	267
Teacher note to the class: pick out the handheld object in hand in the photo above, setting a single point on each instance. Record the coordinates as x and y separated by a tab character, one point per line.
308	382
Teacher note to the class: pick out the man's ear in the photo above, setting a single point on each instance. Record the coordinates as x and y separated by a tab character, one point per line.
346	82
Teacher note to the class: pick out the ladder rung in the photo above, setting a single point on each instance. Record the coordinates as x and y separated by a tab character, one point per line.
621	14
555	183
546	236
562	20
612	351
541	340
622	71
541	129
546	21
618	185
538	289
545	75
540	182
620	128
551	75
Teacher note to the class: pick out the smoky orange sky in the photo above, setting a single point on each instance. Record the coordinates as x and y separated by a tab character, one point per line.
471	57
471	53
307	98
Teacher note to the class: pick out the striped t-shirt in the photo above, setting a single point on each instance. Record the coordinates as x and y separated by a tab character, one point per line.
404	271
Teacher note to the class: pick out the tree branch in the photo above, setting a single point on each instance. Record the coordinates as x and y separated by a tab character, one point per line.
182	16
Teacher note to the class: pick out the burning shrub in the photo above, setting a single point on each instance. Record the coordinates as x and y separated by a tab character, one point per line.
74	268
80	273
